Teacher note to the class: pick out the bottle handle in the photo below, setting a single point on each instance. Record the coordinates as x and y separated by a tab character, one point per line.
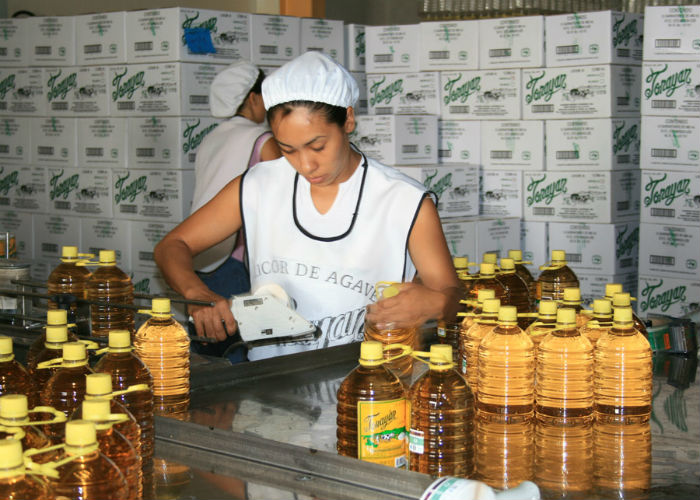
421	355
58	416
132	388
406	350
14	432
48	469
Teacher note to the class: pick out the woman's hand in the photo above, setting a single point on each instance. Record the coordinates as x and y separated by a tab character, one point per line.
212	322
414	305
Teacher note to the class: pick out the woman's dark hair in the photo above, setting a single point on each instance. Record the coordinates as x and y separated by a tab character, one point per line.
333	114
257	88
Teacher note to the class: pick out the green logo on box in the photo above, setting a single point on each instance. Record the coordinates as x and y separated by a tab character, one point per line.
593	48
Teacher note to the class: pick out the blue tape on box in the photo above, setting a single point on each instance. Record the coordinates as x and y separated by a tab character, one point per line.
198	40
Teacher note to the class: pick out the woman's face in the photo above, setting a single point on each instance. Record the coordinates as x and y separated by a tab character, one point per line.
317	149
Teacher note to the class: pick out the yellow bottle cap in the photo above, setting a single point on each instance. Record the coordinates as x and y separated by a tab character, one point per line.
371	352
602	306
160	305
98	385
56	317
69	252
508	314
485	293
107	257
5	345
119	338
548	307
611	289
461	262
14	406
572	295
80	434
491	306
96	410
57	334
74	351
11	454
621	299
566	317
441	354
487	269
623	316
507	264
516	255
558	256
490	258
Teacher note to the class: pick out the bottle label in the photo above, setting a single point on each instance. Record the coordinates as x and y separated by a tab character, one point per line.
382	432
464	366
416	442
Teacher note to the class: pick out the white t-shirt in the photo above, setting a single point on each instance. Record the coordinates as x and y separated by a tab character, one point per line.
328	263
223	155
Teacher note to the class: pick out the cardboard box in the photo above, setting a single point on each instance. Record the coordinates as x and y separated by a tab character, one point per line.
480	95
166	89
80	191
500	193
101	38
456	187
598	144
23	187
669	250
144	237
592	286
534	243
670	197
671	33
52	232
361	106
274	40
392	49
107	234
90	96
14	43
404	93
670	143
472	237
41	268
15	139
187	34
102	142
20	225
514	145
597	248
22	91
166	142
54	141
157	195
151	282
397	139
355	47
670	296
449	45
323	35
460	234
52	41
671	89
603	37
511	42
601	91
601	196
460	141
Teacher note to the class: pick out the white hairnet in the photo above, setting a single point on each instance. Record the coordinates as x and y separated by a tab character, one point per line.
230	88
312	76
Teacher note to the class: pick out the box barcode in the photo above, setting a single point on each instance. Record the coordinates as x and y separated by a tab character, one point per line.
49	247
624	159
667	43
543	108
59	106
409	148
128	209
192	157
623	101
500	52
146	256
142	46
363	103
383	58
126	106
664	153
362	60
384	110
629	262
663	260
543	210
623	52
268	49
574	257
44	150
459	109
62	205
623	205
4	148
145	152
42	50
444	153
3	51
567	155
567	49
94	152
93	49
663	104
501	155
199	99
663	212
439	54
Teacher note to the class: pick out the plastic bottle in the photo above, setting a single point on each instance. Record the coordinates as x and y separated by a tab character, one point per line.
516	292
467	322
485	322
448	331
164	347
14	378
14	412
554	277
564	380
546	322
506	369
623	300
127	369
110	284
54	317
68	278
65	390
486	279
442	419
114	444
524	273
15	481
623	370
56	337
600	323
372	411
89	475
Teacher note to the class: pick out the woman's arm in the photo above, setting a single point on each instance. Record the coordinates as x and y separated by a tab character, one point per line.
439	294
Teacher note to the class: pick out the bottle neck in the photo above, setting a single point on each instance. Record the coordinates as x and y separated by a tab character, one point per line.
623	329
565	331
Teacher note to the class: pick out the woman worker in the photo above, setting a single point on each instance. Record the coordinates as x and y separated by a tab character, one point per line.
324	221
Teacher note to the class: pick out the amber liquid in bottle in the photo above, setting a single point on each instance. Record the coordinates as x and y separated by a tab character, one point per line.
556	277
14	413
15	482
70	279
110	284
516	292
546	322
486	279
600	323
403	366
40	342
448	331
53	348
14	378
524	273
485	323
